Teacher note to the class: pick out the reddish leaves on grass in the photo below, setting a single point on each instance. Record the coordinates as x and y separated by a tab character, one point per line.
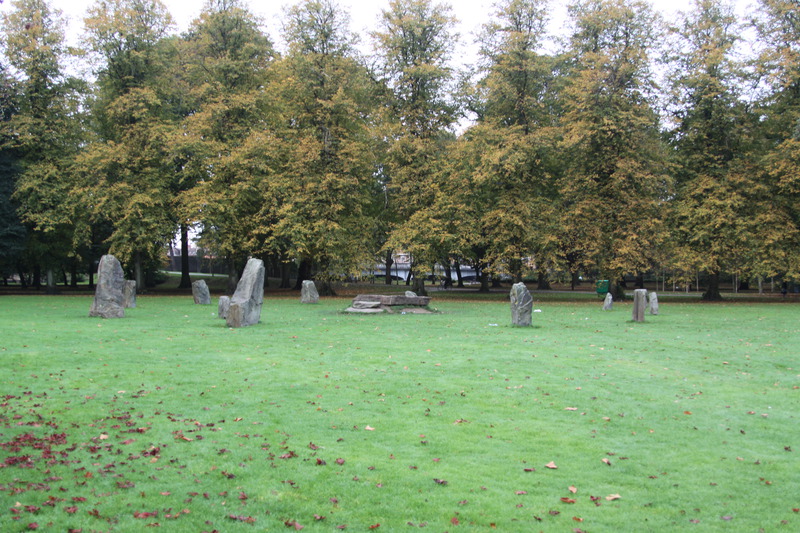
454	521
439	481
374	526
339	461
151	514
568	500
241	518
294	524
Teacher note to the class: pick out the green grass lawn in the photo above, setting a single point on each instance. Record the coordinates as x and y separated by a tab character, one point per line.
455	421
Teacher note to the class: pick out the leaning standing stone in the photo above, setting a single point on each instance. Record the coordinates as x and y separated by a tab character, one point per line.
109	297
245	309
130	293
608	304
653	303
308	293
224	305
521	305
200	293
639	304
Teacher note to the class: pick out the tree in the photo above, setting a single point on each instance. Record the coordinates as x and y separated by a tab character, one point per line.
225	140
708	138
779	66
43	135
614	185
321	181
518	115
126	170
415	42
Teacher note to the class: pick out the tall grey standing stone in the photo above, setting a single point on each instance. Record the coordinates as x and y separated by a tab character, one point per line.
109	297
130	293
521	305
639	304
653	303
308	293
245	309
608	304
200	293
223	306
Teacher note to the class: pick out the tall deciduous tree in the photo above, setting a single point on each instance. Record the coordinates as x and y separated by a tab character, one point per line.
415	41
615	183
778	27
708	139
226	138
319	190
515	140
44	133
127	170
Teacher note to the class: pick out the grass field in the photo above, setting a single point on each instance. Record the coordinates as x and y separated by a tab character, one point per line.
456	421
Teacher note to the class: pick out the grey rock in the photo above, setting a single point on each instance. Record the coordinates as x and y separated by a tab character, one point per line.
200	293
521	305
608	304
366	305
639	304
223	306
411	294
365	310
129	294
109	297
653	303
308	293
246	302
395	299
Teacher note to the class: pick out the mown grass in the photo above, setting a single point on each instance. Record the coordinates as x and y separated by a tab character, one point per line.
318	419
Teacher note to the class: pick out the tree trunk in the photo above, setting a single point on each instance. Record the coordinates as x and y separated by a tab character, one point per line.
639	283
186	281
233	276
73	274
575	280
484	278
138	273
459	277
618	291
286	271
51	282
303	273
543	281
325	288
448	280
712	293
36	282
388	271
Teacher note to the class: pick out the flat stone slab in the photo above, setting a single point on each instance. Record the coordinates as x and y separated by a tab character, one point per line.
394	299
374	310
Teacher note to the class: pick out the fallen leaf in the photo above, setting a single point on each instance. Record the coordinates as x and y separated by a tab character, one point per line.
573	489
606	461
454	521
612	497
369	428
439	481
577	519
374	526
551	465
520	492
568	500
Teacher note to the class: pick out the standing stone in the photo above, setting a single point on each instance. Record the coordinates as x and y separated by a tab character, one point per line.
224	305
130	293
245	309
639	304
109	297
521	305
308	293
653	303
608	304
200	293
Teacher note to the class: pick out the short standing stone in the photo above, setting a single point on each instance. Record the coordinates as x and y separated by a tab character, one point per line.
521	305
308	293
411	294
130	293
224	305
109	297
639	304
200	292
245	308
653	303
608	304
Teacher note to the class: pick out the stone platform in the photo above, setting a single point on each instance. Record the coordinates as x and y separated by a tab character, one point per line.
380	303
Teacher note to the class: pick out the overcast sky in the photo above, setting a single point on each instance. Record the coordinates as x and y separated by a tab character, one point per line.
364	15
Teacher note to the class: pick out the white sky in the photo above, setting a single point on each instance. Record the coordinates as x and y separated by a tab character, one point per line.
364	15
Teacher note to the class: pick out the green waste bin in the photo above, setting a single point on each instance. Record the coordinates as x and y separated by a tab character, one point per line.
601	286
